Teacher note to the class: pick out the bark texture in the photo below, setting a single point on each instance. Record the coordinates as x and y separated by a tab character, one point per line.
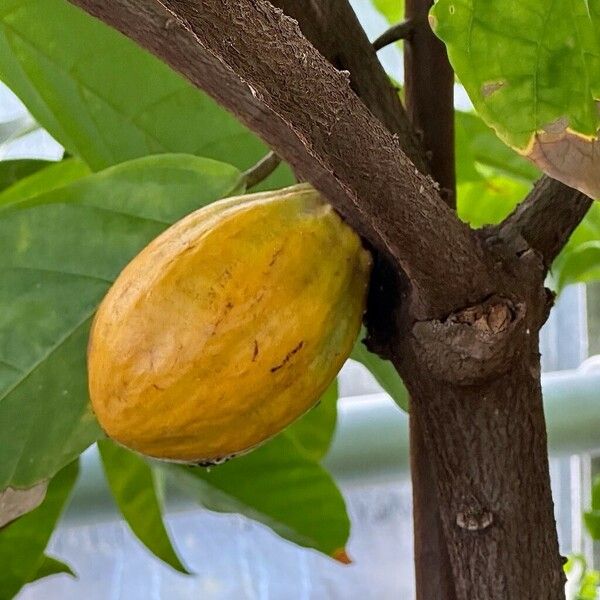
475	382
544	220
332	27
489	448
426	68
429	93
460	310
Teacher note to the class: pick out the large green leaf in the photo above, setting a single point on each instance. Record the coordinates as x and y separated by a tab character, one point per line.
135	490
104	98
279	485
532	71
314	431
23	541
383	371
58	255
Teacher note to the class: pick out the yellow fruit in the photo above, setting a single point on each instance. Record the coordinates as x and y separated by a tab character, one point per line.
228	326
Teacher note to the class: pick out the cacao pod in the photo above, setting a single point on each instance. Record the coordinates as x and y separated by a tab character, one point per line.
228	326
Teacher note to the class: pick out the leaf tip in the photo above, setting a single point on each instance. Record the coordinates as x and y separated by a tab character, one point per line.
341	556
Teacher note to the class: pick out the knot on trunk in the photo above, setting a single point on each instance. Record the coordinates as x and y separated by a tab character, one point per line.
474	519
473	344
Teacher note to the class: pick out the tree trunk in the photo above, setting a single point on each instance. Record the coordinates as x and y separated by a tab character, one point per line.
433	571
475	383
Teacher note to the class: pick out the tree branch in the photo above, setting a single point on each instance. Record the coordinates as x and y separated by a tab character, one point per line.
255	62
333	29
400	31
545	220
261	170
429	93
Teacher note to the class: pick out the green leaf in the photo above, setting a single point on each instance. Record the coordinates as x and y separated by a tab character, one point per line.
532	71
313	433
134	489
51	566
392	10
279	485
596	493
59	253
592	523
61	64
489	200
383	371
579	259
480	154
584	580
12	171
52	176
23	541
592	518
580	264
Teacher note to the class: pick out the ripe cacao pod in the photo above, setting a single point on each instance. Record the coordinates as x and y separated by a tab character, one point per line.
228	326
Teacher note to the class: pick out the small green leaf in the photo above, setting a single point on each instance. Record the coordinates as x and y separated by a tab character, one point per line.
392	10
279	485
592	523
23	541
12	171
52	176
489	200
580	264
51	566
596	493
59	253
383	371
578	261
314	431
134	489
592	518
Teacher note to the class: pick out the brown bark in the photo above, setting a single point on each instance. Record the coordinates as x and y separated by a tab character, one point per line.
461	326
426	68
429	93
488	444
433	571
332	27
544	220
